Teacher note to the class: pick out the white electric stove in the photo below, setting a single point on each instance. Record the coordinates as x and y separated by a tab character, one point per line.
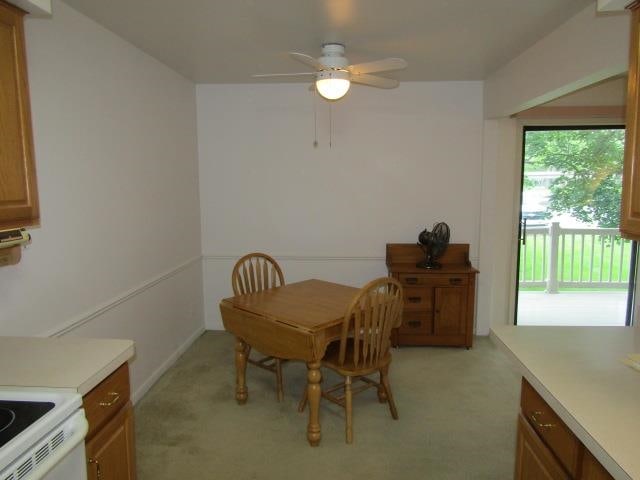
41	435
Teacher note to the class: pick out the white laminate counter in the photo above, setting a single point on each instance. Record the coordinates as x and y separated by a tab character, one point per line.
578	371
66	362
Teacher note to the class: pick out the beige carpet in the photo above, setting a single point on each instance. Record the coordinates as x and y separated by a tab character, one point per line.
457	412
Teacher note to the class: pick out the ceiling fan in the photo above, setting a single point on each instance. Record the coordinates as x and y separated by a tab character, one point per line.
333	74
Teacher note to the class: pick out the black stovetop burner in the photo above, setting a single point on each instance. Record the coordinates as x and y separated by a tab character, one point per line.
16	416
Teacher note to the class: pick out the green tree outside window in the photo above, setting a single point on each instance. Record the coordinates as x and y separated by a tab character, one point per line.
590	164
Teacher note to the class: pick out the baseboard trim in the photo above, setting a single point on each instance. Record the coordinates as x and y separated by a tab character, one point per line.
83	318
166	365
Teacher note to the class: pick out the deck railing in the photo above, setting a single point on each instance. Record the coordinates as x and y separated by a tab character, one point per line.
554	257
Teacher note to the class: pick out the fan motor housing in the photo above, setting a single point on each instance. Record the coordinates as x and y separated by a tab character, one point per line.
333	73
333	56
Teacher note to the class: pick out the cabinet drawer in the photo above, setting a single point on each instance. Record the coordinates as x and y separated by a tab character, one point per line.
418	298
553	432
433	279
416	323
106	399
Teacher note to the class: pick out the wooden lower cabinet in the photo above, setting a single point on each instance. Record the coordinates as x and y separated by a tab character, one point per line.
546	448
110	444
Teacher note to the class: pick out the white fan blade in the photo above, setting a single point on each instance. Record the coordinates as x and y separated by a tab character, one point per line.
307	60
374	81
264	75
384	65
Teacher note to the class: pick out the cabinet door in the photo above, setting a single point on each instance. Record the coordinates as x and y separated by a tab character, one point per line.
630	211
534	461
111	454
449	312
18	192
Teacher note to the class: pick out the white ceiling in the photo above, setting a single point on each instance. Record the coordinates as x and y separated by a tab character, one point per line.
216	41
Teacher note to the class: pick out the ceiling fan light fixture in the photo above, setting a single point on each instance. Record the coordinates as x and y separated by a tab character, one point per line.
333	84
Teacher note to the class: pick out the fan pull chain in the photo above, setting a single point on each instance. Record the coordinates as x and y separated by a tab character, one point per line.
330	126
315	118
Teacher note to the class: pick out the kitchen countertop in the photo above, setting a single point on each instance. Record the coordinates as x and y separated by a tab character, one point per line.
579	372
65	362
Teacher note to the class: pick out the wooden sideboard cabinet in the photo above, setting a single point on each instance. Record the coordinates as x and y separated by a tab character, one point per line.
439	305
546	448
18	187
110	440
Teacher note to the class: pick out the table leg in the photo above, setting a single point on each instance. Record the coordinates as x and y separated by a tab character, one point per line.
241	370
314	378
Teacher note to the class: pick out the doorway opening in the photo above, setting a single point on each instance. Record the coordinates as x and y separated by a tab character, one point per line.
574	268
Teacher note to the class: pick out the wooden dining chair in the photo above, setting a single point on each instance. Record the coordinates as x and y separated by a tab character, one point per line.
253	273
364	347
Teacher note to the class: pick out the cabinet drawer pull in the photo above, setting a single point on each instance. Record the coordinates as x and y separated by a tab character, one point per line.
414	299
455	281
414	323
534	418
411	280
97	464
113	399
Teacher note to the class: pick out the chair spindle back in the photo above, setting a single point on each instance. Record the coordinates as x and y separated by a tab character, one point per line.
255	272
368	321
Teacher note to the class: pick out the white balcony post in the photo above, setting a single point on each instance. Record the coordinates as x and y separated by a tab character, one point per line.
554	236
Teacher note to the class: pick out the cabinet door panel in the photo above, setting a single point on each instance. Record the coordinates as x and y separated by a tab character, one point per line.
18	193
534	461
449	314
111	454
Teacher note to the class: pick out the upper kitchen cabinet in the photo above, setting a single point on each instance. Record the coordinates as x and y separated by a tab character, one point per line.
18	187
630	212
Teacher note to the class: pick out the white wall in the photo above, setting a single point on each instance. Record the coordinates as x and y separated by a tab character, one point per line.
118	252
400	160
37	8
586	49
607	93
500	196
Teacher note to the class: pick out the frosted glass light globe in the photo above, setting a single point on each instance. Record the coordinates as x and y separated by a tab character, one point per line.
333	84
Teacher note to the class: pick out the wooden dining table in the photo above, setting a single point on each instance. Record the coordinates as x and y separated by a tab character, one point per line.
295	321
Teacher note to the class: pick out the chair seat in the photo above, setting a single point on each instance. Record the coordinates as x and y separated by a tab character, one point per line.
349	368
